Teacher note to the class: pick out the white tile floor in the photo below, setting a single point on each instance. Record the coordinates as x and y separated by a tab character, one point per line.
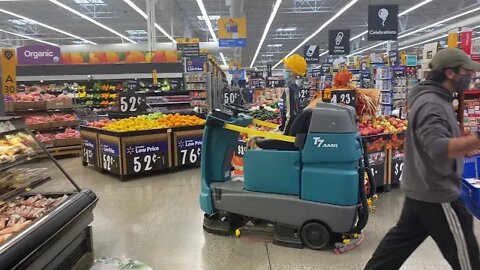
157	220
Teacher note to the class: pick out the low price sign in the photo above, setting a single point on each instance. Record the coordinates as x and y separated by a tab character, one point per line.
89	151
131	102
189	151
146	157
397	169
110	157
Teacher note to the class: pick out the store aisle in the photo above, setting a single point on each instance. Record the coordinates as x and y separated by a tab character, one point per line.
157	220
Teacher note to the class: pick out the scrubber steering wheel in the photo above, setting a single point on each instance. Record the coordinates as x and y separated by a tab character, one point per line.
236	109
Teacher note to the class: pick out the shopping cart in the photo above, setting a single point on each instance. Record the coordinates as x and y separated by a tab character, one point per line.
471	185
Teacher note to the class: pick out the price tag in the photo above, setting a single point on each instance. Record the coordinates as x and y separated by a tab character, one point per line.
189	151
397	169
241	148
110	160
131	102
89	151
347	97
146	157
273	82
230	97
304	95
377	167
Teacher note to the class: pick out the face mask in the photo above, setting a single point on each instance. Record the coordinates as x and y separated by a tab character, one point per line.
463	82
286	75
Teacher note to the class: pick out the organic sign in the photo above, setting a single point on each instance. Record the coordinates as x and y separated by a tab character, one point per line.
232	32
38	55
146	157
189	150
382	22
90	151
311	54
109	157
8	64
131	102
339	42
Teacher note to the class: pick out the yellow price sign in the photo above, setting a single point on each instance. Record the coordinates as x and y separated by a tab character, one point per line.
8	62
187	40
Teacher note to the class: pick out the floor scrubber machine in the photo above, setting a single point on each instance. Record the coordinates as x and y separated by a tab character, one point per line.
309	184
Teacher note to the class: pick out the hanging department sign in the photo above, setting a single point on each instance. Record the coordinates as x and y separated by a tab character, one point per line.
8	64
382	22
232	32
188	46
339	42
38	55
311	54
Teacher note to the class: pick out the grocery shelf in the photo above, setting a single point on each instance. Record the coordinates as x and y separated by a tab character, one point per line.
195	82
196	90
169	103
43	110
164	93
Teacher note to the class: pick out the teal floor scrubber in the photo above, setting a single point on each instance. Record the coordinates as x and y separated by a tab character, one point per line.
308	185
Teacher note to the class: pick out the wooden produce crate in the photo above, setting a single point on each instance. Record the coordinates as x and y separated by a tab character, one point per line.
40	126
67	142
59	104
65	123
30	105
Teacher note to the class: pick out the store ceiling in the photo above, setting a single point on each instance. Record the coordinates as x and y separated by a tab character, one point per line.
295	20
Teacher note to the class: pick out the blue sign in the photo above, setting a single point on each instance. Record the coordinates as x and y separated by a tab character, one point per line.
234	42
238	74
189	150
193	64
109	148
146	148
89	143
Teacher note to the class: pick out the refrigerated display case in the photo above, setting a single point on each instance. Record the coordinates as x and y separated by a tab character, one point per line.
44	215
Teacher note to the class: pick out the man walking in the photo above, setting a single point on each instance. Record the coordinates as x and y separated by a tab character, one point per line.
431	179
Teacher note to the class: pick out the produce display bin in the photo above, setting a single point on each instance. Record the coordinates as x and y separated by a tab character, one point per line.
187	146
59	104
126	153
378	156
135	152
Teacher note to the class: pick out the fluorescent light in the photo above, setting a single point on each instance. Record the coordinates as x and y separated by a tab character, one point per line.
423	28
265	31
207	20
399	15
286	29
359	35
46	26
439	22
368	48
91	20
423	42
323	53
414	7
275	45
30	38
223	59
144	15
340	12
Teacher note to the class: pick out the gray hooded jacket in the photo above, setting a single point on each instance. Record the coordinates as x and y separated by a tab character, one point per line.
429	174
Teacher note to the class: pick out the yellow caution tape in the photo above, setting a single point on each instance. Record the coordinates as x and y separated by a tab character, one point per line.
265	123
254	132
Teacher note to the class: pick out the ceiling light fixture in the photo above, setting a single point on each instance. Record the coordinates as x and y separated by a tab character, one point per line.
265	31
340	12
423	42
30	38
405	12
323	53
399	15
359	35
368	48
46	26
439	22
423	28
91	20
207	20
223	59
144	15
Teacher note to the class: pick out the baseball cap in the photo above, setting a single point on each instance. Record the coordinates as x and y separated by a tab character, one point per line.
452	58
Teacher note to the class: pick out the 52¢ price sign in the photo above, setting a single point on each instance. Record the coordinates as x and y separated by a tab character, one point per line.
110	160
146	157
131	102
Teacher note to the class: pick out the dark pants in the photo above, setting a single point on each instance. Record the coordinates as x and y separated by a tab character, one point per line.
449	224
